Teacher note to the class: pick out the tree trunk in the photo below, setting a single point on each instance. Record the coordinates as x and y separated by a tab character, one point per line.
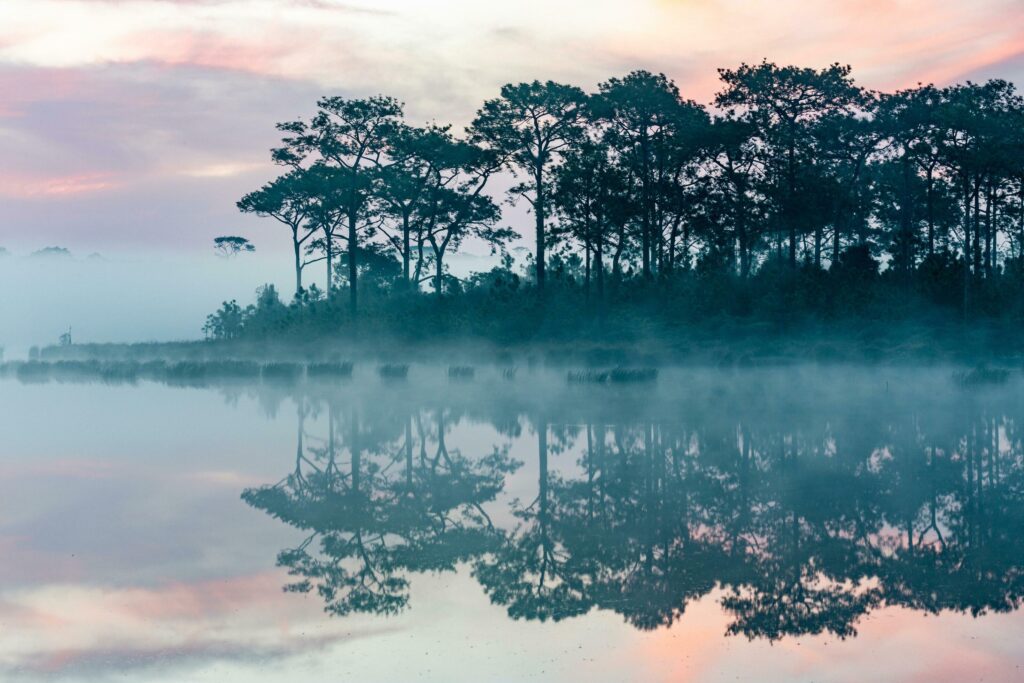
538	211
355	451
990	237
741	229
297	246
1020	249
1021	206
645	209
906	219
408	453
976	246
931	215
686	245
791	205
329	252
405	248
744	252
353	269
967	248
419	261
438	274
837	232
542	461
586	269
300	415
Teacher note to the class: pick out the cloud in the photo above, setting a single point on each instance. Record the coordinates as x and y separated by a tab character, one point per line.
143	152
162	111
54	186
68	628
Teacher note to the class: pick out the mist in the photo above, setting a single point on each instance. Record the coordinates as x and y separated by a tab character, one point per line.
456	341
121	297
141	296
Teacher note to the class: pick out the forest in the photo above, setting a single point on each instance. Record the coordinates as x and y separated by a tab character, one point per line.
796	200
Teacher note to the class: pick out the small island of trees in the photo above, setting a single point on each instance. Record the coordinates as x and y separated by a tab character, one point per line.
797	198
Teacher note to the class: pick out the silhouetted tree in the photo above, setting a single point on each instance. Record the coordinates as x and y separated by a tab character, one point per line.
528	128
289	200
350	136
232	245
785	103
675	217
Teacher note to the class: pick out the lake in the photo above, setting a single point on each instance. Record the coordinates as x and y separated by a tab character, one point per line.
803	523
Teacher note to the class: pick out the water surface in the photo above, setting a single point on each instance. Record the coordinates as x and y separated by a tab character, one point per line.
826	524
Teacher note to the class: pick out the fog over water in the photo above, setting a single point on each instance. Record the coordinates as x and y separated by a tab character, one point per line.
735	393
141	296
119	297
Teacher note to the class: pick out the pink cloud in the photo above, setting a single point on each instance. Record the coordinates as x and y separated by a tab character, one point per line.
196	600
56	186
75	628
945	647
206	49
121	124
889	44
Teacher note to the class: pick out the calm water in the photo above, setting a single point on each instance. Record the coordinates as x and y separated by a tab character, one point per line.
791	524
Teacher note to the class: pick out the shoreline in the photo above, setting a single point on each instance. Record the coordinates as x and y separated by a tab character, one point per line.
737	346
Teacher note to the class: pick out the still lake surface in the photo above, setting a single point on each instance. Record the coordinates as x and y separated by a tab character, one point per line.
803	523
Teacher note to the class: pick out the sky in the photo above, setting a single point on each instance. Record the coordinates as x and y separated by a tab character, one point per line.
131	127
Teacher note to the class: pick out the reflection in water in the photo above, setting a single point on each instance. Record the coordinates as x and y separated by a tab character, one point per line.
806	502
377	503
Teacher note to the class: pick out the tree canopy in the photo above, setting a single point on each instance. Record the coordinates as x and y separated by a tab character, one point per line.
636	190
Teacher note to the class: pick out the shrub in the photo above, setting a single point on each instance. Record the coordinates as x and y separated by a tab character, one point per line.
329	370
461	372
393	371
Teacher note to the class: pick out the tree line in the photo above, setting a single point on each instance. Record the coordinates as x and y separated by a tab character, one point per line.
789	168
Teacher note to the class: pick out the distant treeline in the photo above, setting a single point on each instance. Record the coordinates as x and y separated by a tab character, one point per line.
797	194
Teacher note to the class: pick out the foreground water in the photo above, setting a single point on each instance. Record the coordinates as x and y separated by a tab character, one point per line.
765	525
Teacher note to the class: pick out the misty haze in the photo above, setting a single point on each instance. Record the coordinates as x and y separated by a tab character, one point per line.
452	341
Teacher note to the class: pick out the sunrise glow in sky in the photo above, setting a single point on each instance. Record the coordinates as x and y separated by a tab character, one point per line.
128	124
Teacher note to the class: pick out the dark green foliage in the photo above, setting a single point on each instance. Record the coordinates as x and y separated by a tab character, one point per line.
461	372
981	375
632	375
225	323
112	372
232	369
393	371
329	370
33	371
51	252
615	375
588	377
805	204
186	372
281	372
232	245
117	373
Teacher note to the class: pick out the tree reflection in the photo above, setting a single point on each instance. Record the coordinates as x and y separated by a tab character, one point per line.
798	519
392	508
531	571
